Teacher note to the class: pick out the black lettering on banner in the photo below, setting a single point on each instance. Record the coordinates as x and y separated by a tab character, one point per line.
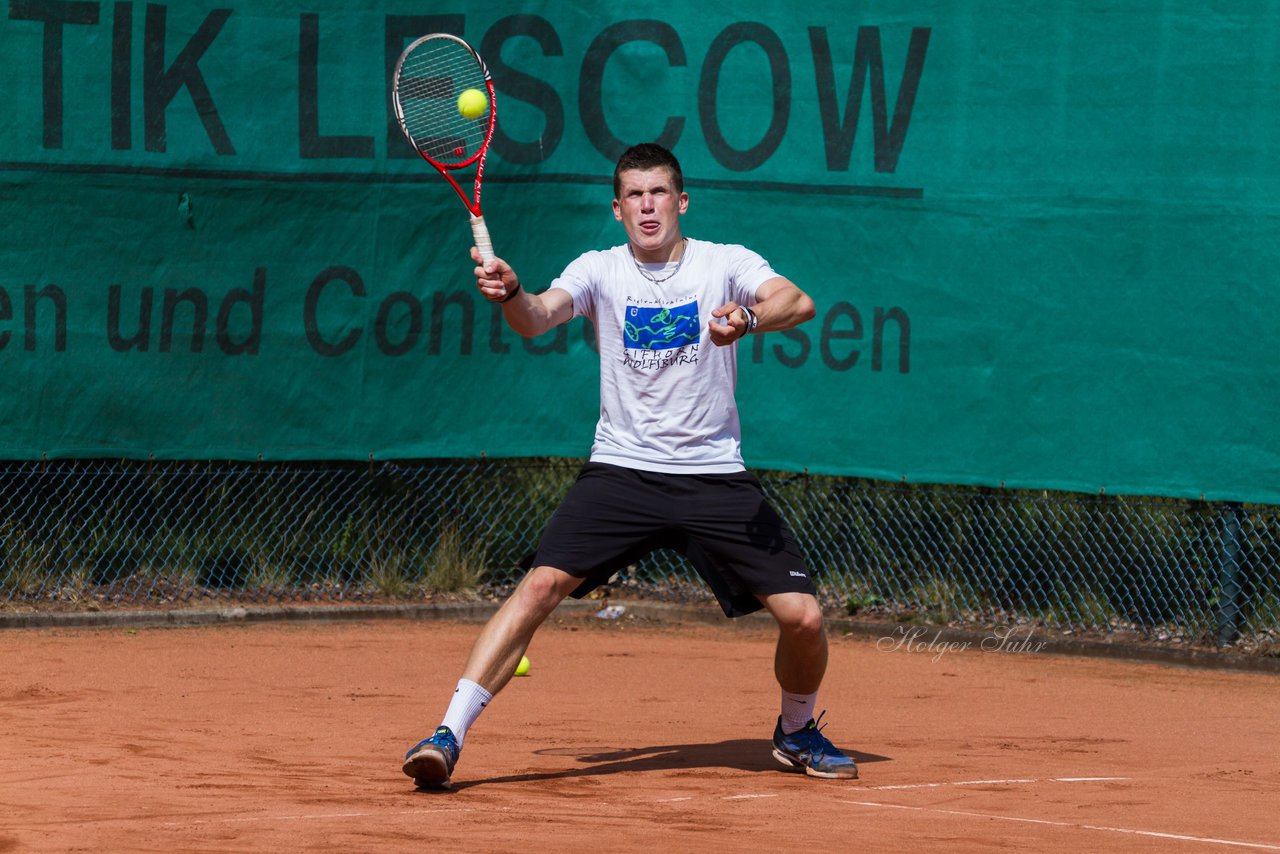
830	333
122	77
497	323
439	302
400	30
888	137
383	322
799	336
160	85
745	32
141	339
559	342
591	81
254	300
54	14
310	310
525	87
168	313
834	329
55	295
311	143
6	313
903	322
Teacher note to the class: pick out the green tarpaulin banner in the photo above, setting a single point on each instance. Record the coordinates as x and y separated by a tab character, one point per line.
1042	240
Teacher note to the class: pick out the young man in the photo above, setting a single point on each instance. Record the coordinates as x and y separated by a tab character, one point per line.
666	470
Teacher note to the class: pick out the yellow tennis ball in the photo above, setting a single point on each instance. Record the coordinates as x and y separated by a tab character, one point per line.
472	103
522	669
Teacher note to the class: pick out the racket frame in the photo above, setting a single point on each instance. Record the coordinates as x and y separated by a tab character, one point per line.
472	203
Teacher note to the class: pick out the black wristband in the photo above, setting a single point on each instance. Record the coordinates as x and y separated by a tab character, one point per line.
751	320
511	293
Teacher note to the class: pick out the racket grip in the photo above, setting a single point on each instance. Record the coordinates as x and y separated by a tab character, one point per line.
480	232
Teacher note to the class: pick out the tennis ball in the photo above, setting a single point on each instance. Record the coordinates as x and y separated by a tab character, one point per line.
472	103
522	669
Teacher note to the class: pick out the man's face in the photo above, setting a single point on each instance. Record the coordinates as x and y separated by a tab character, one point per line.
649	208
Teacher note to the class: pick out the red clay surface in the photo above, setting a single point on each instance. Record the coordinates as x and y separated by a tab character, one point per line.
627	736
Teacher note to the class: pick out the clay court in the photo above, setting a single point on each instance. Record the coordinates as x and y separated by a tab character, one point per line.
629	735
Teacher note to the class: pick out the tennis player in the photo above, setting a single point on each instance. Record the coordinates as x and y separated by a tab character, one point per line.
666	469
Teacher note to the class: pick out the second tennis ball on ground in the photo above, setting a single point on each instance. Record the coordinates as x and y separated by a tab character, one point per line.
522	669
472	103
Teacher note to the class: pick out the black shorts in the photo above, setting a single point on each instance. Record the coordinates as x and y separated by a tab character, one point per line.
613	516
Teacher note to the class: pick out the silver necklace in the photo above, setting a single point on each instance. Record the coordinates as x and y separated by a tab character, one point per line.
684	250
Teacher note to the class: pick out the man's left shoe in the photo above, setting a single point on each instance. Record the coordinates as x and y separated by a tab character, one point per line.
430	762
808	749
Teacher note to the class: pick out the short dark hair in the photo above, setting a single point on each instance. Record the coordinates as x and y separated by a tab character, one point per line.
647	155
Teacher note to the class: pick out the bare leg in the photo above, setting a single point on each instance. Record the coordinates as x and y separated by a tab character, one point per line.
800	663
507	635
491	665
800	660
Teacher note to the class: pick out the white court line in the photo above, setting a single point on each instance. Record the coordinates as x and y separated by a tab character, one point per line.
1001	782
1085	779
1006	782
1208	840
745	797
310	816
959	783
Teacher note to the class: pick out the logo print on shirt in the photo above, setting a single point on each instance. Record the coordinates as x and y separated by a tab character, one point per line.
661	327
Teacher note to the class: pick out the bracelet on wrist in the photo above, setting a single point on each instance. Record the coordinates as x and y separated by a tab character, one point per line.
511	293
752	320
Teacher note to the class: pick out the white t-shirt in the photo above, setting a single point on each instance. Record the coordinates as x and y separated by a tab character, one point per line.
666	392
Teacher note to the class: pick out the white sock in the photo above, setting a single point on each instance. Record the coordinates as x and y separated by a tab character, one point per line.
797	710
469	700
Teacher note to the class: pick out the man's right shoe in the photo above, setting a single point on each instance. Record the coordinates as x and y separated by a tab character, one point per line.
808	749
430	762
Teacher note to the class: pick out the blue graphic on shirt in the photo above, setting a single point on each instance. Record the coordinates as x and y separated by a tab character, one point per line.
661	328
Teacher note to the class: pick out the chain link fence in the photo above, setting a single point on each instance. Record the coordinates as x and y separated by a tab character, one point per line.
98	534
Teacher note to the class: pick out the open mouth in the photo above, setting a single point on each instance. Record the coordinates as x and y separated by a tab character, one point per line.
650	226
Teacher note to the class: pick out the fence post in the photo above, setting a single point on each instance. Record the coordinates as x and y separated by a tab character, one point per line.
1229	574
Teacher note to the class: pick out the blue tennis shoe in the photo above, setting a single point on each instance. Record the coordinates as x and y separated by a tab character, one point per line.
430	762
808	749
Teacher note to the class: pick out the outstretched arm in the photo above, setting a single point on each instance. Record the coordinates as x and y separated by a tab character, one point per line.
779	305
526	313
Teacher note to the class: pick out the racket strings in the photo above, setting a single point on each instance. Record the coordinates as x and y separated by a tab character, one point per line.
431	79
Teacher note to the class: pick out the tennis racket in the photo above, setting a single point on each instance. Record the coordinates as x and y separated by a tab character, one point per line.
430	76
